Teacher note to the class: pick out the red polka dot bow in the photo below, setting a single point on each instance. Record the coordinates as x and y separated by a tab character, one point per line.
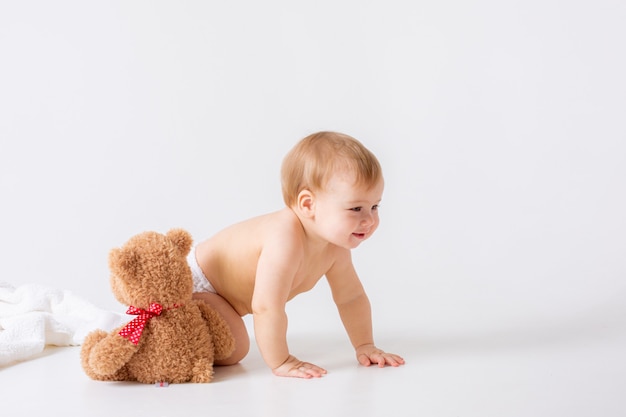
133	330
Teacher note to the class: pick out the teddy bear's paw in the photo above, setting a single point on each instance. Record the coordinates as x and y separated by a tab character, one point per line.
90	341
202	371
223	340
110	354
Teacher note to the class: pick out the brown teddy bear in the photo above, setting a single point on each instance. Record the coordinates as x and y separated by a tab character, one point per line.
173	339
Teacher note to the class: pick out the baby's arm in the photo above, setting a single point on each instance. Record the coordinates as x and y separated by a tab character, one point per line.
355	312
276	269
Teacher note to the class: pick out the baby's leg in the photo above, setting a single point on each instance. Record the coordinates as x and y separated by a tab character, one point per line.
235	322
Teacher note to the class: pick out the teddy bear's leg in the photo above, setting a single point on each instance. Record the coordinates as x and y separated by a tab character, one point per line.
202	371
223	340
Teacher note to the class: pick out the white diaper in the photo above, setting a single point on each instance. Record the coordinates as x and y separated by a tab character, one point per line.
200	282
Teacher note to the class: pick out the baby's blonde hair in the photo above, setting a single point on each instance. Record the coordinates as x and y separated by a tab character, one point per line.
311	163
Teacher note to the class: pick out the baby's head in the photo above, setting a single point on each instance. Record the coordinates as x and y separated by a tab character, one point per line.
320	156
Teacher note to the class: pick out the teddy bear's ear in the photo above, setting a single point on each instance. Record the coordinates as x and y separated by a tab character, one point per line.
123	262
182	239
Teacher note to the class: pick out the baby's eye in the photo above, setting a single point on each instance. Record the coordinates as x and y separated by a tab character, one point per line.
375	207
356	209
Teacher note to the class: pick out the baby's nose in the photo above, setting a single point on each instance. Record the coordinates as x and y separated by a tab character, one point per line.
368	219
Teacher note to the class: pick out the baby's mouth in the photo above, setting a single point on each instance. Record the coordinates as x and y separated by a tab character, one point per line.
359	235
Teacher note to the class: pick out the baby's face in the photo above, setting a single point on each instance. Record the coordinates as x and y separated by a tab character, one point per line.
345	213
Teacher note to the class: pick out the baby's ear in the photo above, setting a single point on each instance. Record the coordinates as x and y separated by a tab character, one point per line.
123	262
181	239
306	203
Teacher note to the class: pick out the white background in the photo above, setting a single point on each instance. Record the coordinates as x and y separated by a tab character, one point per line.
499	124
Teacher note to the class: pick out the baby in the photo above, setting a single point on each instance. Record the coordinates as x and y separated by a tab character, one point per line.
332	186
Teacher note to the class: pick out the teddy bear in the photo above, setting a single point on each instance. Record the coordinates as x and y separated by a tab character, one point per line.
174	338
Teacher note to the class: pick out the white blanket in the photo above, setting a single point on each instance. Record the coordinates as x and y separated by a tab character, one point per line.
33	316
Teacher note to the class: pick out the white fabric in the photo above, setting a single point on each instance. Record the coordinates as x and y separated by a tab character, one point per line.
200	281
33	316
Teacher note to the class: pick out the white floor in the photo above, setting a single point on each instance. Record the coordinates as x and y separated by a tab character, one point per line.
516	372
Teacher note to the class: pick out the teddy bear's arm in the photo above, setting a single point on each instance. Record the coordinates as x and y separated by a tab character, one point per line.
223	340
109	354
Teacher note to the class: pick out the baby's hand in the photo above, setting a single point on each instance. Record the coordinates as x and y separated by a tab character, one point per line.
295	368
370	354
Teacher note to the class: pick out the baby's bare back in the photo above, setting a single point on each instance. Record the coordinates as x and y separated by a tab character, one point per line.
229	259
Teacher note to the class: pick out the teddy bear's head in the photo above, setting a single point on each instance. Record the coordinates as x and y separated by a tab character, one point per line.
152	267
